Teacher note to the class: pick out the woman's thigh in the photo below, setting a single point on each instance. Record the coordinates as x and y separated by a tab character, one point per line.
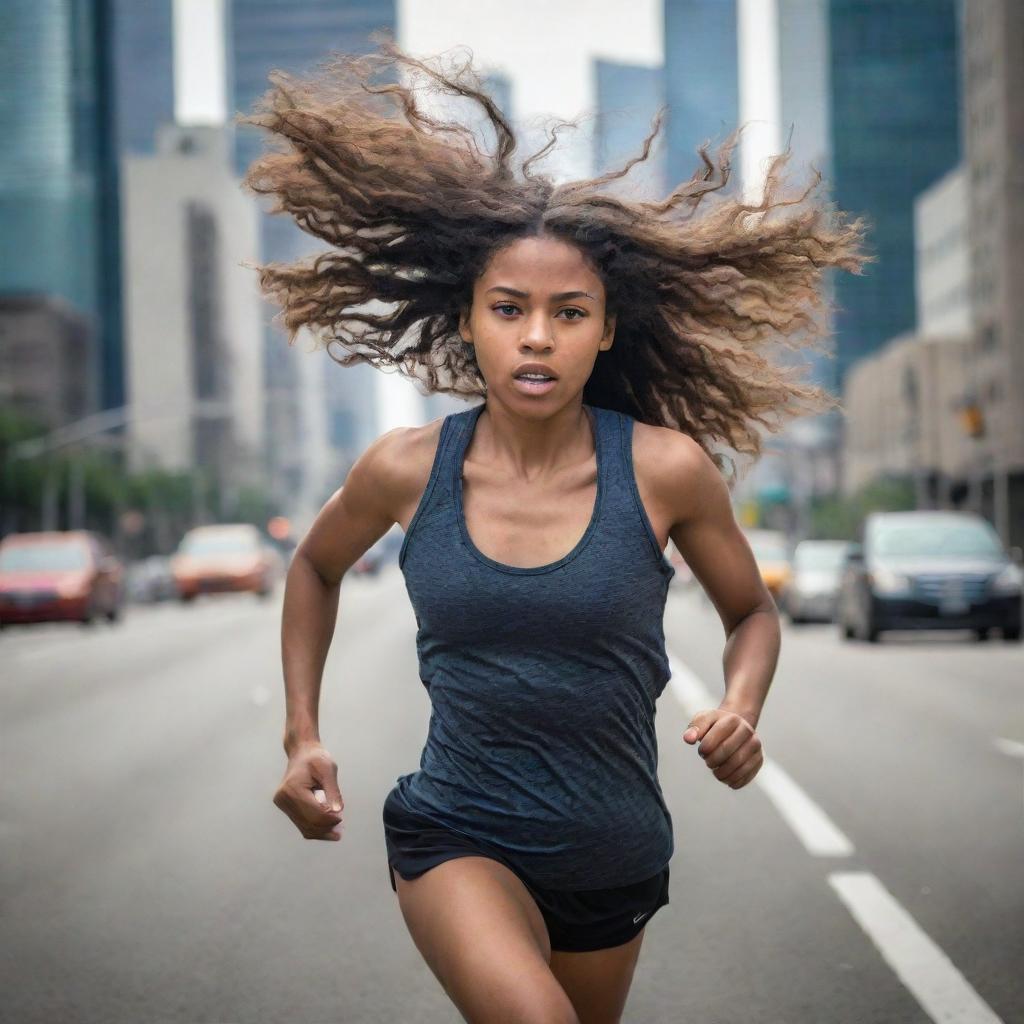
598	982
481	933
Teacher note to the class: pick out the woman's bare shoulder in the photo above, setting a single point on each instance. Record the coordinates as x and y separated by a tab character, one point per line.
398	463
673	469
664	451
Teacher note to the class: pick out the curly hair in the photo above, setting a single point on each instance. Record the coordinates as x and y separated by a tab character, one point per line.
414	209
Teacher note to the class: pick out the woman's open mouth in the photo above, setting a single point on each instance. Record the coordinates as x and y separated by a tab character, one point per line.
534	383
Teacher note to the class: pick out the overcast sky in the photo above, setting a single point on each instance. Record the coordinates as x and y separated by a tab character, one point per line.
546	47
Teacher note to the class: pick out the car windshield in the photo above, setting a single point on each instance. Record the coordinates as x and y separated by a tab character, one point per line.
60	556
952	539
820	556
219	544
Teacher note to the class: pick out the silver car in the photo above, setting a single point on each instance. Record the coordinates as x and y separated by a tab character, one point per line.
812	590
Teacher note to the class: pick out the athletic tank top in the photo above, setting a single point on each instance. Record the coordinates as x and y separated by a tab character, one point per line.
543	680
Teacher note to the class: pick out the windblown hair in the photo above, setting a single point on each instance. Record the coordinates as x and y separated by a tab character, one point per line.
414	210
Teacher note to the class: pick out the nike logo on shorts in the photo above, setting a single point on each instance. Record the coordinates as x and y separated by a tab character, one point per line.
638	916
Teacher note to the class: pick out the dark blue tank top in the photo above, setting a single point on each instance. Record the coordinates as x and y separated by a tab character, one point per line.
543	680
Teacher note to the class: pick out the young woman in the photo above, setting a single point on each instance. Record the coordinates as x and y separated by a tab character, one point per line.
612	342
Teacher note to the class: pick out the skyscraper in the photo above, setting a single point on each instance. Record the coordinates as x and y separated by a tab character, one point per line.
143	46
895	131
266	35
701	83
993	96
59	228
628	98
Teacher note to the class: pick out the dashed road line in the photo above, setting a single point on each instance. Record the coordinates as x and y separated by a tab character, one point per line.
943	992
930	976
811	824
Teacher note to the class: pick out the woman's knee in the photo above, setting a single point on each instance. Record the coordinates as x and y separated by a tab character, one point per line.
482	935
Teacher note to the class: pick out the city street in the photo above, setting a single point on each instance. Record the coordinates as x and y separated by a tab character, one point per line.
873	872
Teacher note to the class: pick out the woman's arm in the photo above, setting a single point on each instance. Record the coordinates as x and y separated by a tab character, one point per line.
694	499
705	531
353	519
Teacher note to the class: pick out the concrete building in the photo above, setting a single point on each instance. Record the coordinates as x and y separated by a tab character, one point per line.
993	123
194	351
906	404
903	414
44	343
941	267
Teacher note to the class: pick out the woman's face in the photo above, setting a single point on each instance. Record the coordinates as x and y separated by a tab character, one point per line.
537	302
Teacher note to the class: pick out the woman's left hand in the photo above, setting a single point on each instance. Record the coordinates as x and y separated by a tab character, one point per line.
730	746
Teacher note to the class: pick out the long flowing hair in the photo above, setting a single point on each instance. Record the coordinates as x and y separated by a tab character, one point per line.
703	284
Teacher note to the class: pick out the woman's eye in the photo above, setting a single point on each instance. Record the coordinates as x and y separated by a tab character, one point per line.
509	305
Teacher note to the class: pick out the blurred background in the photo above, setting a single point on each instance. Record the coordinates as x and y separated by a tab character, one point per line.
143	388
163	449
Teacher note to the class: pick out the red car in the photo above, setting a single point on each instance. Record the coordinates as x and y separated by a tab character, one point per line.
52	576
224	557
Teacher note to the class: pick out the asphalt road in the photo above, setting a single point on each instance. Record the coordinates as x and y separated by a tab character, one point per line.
874	871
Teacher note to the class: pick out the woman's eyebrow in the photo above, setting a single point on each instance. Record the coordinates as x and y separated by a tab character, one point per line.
525	295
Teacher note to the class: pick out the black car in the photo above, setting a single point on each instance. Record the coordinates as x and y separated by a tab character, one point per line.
929	570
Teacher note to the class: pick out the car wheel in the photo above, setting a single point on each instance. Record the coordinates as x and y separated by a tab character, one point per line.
1012	633
871	630
114	614
981	634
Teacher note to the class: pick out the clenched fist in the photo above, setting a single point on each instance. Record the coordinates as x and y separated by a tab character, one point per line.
309	793
729	745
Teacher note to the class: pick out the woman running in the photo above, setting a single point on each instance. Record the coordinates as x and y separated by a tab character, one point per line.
612	342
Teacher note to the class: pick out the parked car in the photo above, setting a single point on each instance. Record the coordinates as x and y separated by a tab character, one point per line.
225	557
59	575
929	570
771	551
151	579
812	590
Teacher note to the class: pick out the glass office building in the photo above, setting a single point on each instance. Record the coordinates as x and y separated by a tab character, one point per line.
59	218
628	98
895	131
701	80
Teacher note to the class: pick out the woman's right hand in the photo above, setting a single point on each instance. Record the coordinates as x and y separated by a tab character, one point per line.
311	771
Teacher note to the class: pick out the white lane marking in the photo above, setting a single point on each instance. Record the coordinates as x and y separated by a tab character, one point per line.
932	978
1011	748
811	824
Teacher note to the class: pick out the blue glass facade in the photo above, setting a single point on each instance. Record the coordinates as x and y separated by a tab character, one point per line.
628	98
895	131
59	210
144	70
701	79
264	35
268	34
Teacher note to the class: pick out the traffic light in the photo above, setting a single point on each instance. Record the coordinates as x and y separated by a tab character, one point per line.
972	419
